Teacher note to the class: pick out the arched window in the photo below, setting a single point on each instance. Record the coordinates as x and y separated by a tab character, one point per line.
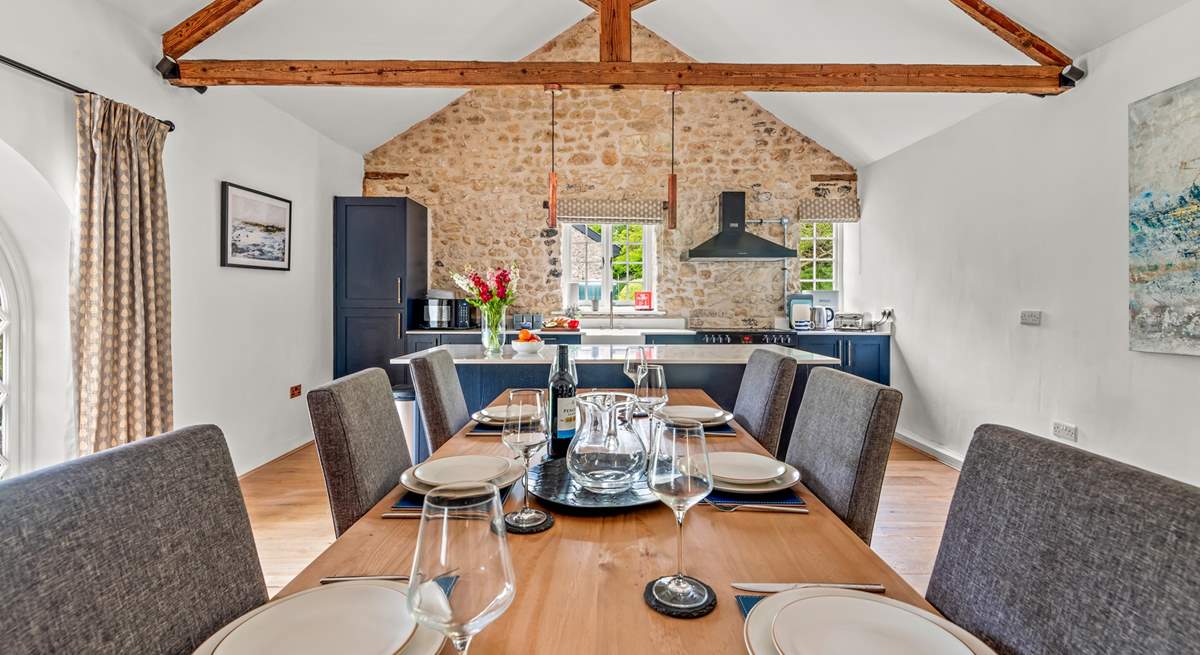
11	371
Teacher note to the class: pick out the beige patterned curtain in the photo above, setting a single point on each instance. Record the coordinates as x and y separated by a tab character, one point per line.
121	278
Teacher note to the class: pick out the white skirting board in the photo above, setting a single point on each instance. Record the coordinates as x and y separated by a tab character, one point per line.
941	454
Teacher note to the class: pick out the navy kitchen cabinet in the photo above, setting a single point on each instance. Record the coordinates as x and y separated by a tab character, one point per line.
379	264
556	339
868	356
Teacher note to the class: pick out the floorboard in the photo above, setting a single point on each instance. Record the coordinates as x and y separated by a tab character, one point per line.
289	512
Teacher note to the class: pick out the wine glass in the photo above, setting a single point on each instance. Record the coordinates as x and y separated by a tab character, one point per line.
635	359
462	577
525	432
651	392
651	388
679	475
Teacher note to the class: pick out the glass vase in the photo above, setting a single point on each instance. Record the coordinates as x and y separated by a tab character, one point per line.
493	329
606	455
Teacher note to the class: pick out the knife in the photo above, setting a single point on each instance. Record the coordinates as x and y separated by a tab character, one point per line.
774	587
350	578
402	515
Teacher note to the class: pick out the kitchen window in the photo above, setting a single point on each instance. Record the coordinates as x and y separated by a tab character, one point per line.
606	261
816	268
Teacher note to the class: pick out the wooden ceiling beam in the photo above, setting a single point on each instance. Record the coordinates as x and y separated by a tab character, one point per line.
616	30
927	78
1012	32
635	4
198	27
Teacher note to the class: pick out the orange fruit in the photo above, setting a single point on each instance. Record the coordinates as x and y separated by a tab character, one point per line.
524	335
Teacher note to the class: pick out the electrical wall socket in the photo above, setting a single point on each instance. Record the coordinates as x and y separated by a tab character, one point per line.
1031	317
1065	431
294	392
888	313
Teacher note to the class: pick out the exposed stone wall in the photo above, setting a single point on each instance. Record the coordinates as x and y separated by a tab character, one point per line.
481	163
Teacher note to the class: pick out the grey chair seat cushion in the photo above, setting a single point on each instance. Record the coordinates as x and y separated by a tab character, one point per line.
145	548
439	397
1051	549
360	441
762	399
841	442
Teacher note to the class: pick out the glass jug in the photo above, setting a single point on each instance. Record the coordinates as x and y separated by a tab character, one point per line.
607	454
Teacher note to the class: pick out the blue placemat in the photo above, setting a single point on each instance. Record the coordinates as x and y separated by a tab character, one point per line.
747	603
484	428
412	500
786	497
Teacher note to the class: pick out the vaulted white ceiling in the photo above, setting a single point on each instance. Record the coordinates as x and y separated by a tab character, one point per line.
862	128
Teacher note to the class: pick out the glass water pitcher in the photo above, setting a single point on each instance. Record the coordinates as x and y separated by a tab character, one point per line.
607	455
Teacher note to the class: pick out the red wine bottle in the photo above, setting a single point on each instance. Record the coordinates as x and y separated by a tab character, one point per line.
562	404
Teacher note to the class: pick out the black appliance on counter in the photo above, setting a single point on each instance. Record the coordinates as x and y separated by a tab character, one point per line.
746	337
463	315
379	271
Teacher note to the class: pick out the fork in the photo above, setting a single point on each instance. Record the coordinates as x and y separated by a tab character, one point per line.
758	508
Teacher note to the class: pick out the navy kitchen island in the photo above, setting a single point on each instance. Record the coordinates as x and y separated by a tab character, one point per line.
717	369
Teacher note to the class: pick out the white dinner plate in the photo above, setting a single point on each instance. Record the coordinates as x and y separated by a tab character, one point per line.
707	416
501	413
826	634
480	417
509	477
460	468
358	617
745	468
790	477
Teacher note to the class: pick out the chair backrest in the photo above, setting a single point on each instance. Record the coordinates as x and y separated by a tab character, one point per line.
360	441
1051	549
762	399
439	397
841	442
144	548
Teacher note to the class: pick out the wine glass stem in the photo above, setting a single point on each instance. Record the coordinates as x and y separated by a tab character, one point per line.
461	644
525	485
679	552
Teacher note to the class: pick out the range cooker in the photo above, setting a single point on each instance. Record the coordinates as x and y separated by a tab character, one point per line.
743	336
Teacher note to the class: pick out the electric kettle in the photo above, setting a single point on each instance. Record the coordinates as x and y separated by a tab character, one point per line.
821	317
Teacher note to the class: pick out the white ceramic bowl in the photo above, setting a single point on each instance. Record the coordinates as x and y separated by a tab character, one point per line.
527	347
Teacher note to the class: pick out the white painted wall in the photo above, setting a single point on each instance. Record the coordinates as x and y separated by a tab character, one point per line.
241	337
1024	206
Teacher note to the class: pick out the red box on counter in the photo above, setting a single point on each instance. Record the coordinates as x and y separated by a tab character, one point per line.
643	300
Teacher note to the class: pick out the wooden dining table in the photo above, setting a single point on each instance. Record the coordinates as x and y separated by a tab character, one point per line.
579	585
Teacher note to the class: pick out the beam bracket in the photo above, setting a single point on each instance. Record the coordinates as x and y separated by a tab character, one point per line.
169	69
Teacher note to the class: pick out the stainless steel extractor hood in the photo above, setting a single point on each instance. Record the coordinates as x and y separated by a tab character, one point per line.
733	242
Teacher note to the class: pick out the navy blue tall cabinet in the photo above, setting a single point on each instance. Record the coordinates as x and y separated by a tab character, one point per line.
380	262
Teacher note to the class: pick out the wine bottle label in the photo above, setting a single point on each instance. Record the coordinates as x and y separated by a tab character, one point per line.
566	418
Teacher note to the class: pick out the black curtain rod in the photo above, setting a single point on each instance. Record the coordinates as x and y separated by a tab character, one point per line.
29	70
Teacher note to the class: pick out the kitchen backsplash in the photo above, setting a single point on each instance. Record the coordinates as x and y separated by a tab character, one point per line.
481	163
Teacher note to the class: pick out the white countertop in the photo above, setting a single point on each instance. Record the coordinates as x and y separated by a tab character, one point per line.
588	331
615	354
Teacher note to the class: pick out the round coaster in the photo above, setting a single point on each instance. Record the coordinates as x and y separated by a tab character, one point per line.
675	612
531	529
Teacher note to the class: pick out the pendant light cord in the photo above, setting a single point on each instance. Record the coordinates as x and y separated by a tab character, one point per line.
672	133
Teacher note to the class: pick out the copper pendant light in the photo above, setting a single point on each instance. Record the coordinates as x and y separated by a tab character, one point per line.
552	204
672	181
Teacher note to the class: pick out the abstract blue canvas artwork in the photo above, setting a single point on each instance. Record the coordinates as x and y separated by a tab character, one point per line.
1164	222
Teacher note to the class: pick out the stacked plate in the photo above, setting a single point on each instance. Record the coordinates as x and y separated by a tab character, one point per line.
707	416
496	415
748	473
361	616
835	621
423	477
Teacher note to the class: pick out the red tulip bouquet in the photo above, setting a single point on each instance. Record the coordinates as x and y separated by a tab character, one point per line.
492	292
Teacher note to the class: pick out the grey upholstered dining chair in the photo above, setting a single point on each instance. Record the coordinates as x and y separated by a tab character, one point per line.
144	548
841	441
360	442
1051	549
762	399
439	397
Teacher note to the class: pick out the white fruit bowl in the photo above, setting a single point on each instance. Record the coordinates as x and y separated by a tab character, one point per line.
527	347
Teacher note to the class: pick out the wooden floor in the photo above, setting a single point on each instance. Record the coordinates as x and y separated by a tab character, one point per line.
289	512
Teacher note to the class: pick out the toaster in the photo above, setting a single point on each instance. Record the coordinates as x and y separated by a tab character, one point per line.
852	321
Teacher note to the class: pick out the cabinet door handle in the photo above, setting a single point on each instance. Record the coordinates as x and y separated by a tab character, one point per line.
400	290
850	353
399	326
839	355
